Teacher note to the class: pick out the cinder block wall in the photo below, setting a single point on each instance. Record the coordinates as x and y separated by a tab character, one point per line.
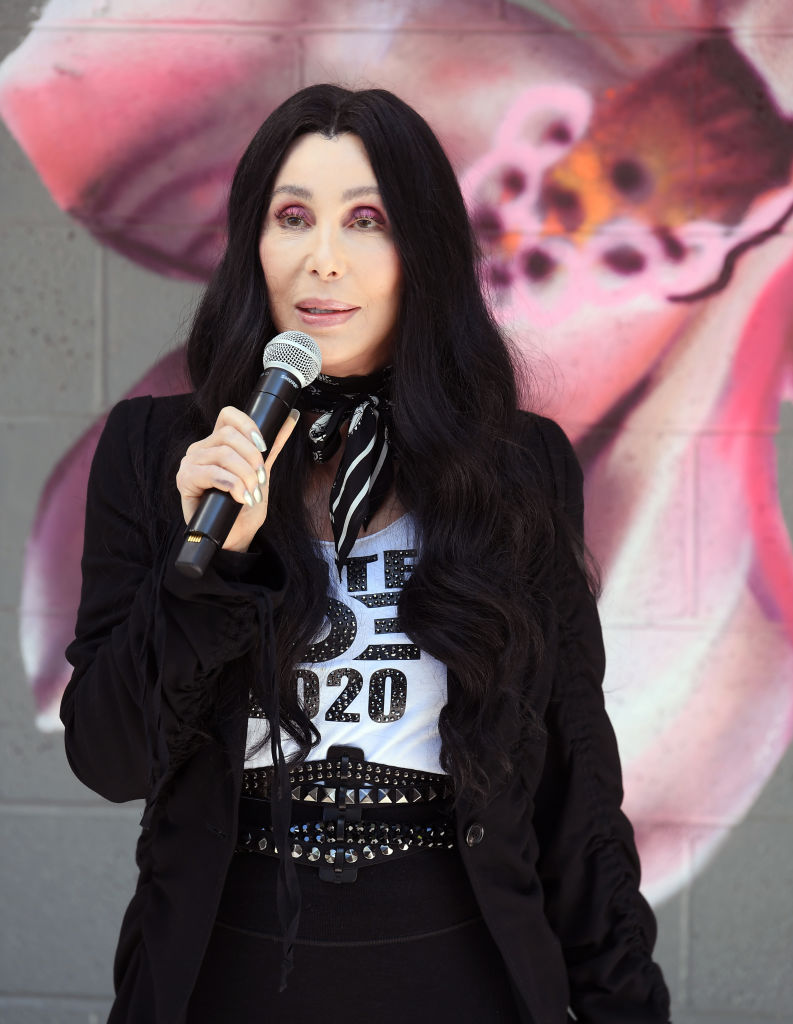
78	325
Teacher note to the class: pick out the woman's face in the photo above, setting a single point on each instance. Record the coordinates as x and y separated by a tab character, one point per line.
328	256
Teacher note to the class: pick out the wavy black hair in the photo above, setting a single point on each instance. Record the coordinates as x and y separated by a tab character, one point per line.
478	595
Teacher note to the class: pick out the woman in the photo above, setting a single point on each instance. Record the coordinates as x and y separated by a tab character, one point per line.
449	817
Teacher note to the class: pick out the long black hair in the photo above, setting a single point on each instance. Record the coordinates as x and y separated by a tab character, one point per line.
477	598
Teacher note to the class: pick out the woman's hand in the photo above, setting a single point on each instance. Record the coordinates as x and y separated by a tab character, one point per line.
231	460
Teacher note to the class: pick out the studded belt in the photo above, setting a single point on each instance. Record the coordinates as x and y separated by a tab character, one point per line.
344	781
344	786
359	843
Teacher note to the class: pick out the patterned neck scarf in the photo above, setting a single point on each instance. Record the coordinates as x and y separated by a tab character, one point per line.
366	471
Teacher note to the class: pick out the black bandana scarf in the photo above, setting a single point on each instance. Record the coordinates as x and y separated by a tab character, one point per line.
366	469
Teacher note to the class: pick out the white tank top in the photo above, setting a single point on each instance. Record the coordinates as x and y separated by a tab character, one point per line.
364	682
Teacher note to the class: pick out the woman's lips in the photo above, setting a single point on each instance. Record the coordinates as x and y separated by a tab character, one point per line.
328	317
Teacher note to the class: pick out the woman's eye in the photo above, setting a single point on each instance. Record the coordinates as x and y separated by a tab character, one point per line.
367	219
292	217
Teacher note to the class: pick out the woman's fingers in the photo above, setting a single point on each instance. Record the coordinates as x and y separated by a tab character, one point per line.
281	438
231	459
246	429
230	464
222	467
217	468
230	448
237	430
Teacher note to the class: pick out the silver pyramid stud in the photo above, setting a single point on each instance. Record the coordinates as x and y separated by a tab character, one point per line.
313	854
297	851
399	797
368	852
383	797
312	796
366	796
351	856
326	796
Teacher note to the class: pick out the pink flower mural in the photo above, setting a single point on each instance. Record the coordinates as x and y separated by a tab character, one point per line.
631	192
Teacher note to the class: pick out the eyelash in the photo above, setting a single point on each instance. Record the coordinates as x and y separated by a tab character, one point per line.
361	213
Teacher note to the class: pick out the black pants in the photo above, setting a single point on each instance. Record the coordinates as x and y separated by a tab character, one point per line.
405	942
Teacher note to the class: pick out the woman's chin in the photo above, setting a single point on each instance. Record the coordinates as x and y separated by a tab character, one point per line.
351	367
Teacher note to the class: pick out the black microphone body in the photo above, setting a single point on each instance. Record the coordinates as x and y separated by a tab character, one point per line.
275	394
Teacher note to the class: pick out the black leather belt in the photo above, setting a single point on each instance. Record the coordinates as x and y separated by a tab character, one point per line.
358	843
343	786
342	779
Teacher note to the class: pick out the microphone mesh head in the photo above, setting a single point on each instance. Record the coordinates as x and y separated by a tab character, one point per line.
295	351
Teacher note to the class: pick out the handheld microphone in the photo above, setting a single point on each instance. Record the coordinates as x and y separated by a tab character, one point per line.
291	361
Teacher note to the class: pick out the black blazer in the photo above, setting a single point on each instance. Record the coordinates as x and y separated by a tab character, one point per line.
551	859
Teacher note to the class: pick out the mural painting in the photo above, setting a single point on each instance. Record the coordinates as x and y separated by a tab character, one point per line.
628	170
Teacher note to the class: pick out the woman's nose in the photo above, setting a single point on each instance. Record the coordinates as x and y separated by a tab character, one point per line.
326	255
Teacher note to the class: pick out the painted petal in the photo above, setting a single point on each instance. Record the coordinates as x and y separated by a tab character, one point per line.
190	104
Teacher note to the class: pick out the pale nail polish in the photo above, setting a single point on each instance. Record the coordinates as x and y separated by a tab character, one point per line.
261	475
258	440
257	494
248	499
294	414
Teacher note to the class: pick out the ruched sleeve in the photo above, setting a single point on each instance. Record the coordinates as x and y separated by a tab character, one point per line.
588	863
150	643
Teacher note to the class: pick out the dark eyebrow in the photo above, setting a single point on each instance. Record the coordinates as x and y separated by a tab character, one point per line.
351	193
363	190
293	190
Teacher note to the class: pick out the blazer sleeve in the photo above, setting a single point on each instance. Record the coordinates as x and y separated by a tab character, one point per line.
588	863
149	643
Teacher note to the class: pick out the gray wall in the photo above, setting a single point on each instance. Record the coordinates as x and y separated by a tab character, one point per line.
78	325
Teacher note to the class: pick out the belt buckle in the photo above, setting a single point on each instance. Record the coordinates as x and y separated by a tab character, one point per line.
338	869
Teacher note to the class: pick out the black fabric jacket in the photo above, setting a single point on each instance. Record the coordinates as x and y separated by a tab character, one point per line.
155	704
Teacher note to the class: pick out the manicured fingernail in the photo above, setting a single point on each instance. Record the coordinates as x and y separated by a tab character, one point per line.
258	440
257	495
248	498
261	475
294	414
